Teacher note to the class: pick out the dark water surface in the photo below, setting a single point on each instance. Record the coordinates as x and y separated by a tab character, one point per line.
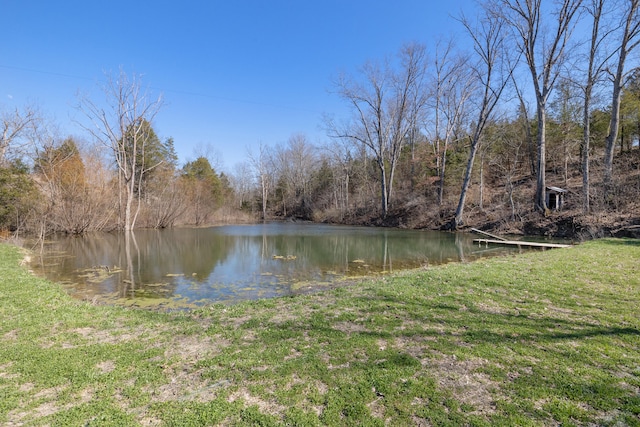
186	267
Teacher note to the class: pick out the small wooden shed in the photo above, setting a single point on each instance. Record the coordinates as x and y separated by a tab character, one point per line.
555	198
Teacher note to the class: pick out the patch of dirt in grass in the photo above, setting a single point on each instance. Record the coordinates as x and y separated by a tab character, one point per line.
283	316
349	327
270	408
44	410
561	310
294	354
150	422
491	307
318	385
462	379
194	347
49	407
416	346
87	395
377	408
419	422
310	387
105	337
96	336
186	383
236	322
48	393
613	417
249	336
6	375
11	335
26	387
106	366
185	386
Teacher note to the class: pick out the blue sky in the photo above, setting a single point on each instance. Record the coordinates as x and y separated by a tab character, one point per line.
233	74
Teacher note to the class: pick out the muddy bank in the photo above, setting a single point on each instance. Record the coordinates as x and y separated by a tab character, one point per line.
566	225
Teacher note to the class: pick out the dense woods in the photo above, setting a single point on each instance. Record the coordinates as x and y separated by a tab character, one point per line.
445	134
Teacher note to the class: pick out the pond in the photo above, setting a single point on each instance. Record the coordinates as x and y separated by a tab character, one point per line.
188	267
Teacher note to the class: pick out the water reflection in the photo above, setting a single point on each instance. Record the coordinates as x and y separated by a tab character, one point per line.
232	263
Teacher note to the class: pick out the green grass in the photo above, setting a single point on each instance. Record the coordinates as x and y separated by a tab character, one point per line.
547	338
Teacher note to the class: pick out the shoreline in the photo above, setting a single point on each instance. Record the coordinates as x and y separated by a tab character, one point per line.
540	338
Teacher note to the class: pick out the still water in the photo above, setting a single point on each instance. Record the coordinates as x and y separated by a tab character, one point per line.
187	267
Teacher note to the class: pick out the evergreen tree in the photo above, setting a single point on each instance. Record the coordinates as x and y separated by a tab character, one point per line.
204	189
17	195
152	156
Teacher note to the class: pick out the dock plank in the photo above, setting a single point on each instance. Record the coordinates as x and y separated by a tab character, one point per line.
488	234
522	243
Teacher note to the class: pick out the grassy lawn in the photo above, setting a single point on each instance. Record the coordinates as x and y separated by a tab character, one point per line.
547	338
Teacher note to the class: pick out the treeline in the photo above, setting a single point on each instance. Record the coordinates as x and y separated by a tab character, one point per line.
543	88
436	135
73	187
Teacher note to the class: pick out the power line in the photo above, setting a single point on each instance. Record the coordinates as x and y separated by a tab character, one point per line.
175	91
51	73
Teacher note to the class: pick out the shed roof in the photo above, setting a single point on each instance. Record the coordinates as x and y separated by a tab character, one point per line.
556	189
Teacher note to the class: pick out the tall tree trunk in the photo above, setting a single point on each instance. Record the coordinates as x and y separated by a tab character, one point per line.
585	158
443	163
585	148
122	131
629	40
383	189
128	223
565	174
346	194
392	172
264	199
457	220
544	53
614	125
531	151
488	40
541	200
594	70
482	181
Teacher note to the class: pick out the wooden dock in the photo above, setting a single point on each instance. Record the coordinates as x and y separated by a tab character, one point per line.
493	236
521	243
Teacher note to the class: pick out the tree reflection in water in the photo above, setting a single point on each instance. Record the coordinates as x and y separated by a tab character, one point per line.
232	263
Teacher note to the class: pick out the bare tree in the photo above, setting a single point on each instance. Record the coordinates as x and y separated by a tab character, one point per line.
72	200
544	52
14	126
524	119
262	167
595	68
211	153
294	164
493	73
241	182
100	195
629	40
451	86
60	174
505	159
166	201
566	109
342	156
303	161
383	111
121	127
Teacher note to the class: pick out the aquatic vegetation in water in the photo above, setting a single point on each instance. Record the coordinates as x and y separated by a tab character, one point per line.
98	274
285	258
